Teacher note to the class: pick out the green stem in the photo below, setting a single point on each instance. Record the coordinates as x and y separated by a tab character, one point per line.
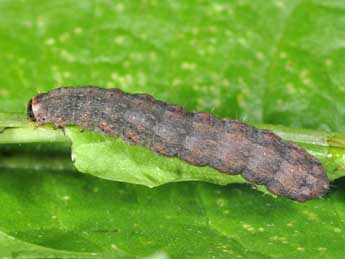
327	146
14	120
16	128
32	135
306	136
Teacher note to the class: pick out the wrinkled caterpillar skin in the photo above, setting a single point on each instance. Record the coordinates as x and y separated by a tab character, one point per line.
198	138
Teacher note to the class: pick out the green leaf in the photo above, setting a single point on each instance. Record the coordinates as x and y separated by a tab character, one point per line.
277	62
135	164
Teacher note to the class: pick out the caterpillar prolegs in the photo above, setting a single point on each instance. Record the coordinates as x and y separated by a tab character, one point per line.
198	138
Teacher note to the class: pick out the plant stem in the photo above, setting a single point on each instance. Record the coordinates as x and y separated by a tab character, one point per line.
32	135
16	128
326	146
306	136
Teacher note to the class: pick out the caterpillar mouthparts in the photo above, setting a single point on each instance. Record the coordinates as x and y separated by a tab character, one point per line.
198	138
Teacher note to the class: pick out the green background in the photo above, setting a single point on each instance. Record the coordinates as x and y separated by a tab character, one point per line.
278	61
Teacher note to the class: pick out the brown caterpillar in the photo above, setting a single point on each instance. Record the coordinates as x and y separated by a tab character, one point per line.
198	138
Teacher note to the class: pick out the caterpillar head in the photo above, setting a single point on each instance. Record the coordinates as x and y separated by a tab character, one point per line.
37	110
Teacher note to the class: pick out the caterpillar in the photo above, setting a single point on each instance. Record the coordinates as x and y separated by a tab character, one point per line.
198	138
